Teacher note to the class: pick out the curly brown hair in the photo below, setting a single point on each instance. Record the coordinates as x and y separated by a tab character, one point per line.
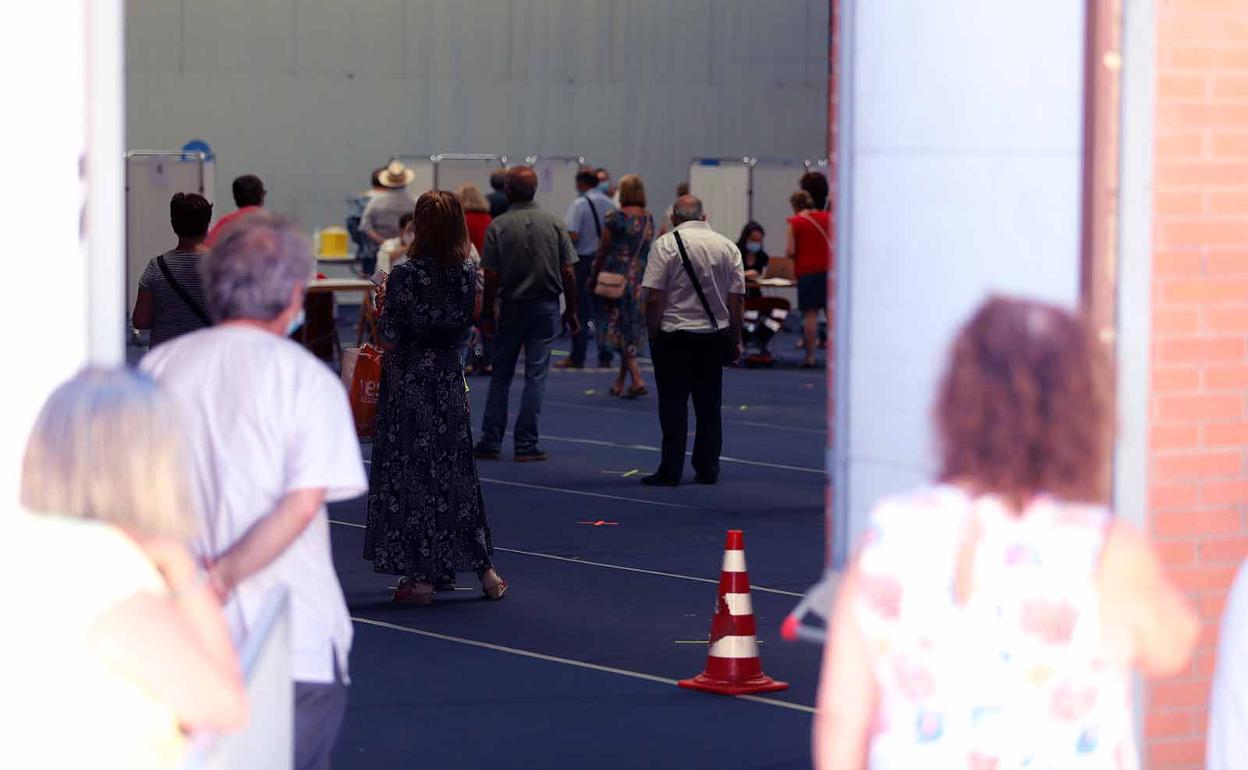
1024	407
439	230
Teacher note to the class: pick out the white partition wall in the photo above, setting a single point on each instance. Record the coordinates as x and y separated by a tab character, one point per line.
724	188
422	165
450	170
960	140
556	181
152	178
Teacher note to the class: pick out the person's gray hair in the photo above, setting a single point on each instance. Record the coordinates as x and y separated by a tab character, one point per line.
254	267
687	208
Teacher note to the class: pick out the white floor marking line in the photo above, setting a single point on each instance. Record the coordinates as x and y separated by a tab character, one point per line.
638	569
635	412
762	589
594	494
648	448
566	661
588	494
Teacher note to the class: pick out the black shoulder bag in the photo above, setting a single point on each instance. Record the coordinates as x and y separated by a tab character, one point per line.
181	292
594	211
728	346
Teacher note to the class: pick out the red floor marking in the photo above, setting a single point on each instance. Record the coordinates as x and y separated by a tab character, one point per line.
600	523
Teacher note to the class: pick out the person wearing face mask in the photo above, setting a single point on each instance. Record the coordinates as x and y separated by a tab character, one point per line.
271	440
750	244
394	250
606	187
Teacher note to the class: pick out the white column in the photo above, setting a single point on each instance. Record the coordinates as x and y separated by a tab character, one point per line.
55	133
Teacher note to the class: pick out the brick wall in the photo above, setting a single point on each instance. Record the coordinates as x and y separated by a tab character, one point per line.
1198	487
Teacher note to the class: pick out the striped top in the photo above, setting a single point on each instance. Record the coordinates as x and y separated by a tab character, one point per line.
171	317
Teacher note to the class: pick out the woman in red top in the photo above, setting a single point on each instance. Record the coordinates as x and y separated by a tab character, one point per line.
476	214
810	247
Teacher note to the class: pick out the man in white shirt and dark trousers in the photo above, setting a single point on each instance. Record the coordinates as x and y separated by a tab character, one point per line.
696	291
271	440
584	220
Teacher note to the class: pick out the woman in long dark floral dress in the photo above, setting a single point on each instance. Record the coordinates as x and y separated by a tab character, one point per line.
426	516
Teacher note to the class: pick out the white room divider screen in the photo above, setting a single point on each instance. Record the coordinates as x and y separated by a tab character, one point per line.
556	180
724	187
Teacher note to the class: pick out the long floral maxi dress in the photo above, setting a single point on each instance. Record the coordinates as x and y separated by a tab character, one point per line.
426	516
622	324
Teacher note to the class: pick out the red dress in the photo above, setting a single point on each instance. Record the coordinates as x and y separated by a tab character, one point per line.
811	241
477	222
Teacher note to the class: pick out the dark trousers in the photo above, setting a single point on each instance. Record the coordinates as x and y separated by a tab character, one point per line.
689	364
319	708
587	309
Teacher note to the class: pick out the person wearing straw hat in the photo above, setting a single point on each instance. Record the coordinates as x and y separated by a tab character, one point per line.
380	220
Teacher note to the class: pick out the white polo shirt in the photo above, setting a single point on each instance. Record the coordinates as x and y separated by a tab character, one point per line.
264	418
717	262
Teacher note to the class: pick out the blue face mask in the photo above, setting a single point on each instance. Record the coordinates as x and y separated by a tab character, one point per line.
754	246
604	186
296	322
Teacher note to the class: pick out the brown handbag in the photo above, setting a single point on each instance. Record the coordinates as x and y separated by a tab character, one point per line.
610	285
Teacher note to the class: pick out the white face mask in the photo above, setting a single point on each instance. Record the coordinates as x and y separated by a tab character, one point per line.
296	322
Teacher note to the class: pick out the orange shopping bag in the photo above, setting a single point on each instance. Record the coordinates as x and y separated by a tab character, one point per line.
365	387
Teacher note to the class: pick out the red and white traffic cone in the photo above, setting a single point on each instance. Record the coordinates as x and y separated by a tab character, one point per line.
732	663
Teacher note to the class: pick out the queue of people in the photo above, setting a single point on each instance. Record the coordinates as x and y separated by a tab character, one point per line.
993	617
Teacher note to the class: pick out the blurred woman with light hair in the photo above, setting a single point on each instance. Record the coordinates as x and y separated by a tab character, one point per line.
127	643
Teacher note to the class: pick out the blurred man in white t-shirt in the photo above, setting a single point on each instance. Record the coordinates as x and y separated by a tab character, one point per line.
271	440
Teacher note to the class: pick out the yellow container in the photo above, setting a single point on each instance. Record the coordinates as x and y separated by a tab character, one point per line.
333	243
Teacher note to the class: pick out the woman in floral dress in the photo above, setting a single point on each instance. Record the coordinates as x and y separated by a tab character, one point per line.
992	621
426	516
626	236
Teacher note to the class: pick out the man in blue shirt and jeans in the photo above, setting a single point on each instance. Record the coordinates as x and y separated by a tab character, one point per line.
585	219
528	262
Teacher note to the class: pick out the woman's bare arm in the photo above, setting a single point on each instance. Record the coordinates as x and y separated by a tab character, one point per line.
1142	606
847	694
147	638
141	318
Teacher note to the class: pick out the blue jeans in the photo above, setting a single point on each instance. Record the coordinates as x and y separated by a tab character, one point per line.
532	325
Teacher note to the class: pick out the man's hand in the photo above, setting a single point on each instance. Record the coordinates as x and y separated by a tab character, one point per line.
571	324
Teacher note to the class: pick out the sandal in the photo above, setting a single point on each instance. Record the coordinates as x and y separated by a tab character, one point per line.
411	592
637	390
617	390
493	586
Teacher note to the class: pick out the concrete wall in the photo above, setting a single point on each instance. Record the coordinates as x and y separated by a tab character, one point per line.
313	95
963	145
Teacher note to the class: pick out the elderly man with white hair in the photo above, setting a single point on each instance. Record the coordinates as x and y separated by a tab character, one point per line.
271	441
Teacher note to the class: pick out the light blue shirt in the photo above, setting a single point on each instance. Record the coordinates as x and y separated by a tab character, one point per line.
580	220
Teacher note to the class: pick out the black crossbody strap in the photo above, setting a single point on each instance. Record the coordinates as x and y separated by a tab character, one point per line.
594	211
697	285
177	288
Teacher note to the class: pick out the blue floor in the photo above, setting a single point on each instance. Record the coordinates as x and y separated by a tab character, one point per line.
421	701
